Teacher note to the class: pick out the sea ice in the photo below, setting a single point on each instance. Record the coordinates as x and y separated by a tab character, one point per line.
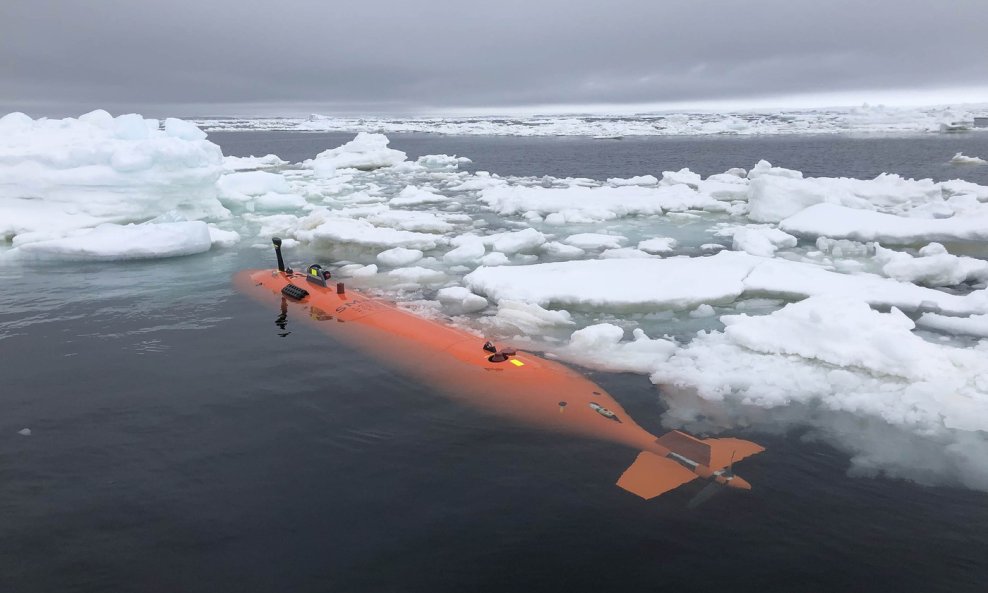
658	245
365	152
841	222
602	347
933	267
973	325
594	241
459	300
398	257
57	176
838	357
763	242
960	159
110	242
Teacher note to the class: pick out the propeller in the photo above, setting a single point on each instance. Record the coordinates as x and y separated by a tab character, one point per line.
714	487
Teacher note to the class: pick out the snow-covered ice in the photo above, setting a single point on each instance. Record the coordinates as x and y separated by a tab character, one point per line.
59	176
841	222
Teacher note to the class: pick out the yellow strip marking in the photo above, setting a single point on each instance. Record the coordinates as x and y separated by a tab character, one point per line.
517	362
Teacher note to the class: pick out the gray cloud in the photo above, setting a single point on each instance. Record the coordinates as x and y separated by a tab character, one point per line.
399	56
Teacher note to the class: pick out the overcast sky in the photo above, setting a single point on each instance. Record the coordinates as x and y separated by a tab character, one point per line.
212	57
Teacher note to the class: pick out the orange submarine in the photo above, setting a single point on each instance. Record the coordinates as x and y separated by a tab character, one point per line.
504	381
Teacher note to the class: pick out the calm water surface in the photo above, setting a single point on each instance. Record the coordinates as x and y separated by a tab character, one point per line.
181	444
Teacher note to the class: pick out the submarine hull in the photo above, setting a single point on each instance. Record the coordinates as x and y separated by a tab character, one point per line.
523	386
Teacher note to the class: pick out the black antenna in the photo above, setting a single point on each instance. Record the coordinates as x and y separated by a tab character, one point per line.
277	251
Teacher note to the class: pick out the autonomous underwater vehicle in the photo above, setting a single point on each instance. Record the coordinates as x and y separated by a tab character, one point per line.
504	381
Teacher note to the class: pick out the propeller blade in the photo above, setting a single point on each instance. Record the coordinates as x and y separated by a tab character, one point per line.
708	492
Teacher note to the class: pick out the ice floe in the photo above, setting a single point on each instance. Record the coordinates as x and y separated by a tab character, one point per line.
841	222
681	283
59	176
109	241
365	152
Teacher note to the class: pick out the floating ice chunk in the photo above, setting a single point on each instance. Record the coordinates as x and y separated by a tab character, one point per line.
711	247
558	250
588	204
762	242
619	284
828	362
57	176
469	251
602	347
184	130
408	220
416	196
658	245
398	257
25	432
974	325
529	317
772	198
363	271
442	162
277	201
624	253
460	300
958	188
494	258
725	187
110	242
222	238
639	180
682	177
594	241
765	168
331	230
247	163
703	311
240	187
834	221
418	275
934	267
778	277
518	241
685	283
844	248
960	159
481	180
132	126
365	152
819	329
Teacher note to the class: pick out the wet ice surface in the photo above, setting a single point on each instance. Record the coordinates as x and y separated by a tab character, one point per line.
612	271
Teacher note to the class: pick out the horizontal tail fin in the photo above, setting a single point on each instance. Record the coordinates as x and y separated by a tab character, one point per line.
713	453
651	475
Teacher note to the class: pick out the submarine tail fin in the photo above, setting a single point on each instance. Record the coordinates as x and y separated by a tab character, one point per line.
651	475
725	452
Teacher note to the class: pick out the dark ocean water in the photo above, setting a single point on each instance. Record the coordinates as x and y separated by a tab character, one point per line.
180	444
